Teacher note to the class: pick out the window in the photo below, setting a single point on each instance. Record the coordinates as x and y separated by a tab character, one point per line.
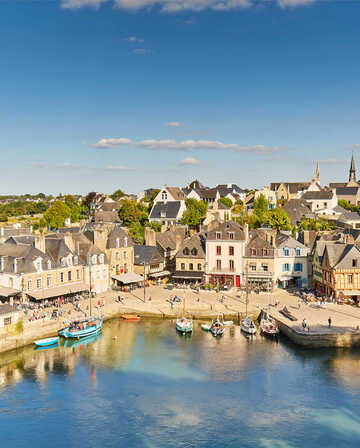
194	252
125	241
125	254
11	282
117	256
29	286
61	277
286	251
78	274
191	267
183	266
69	276
48	281
125	268
286	267
298	267
218	235
63	262
231	235
37	265
101	259
231	250
265	252
76	260
7	321
231	265
350	279
354	263
218	250
38	283
298	251
199	267
117	243
252	251
253	267
265	267
162	214
49	264
218	264
186	251
2	263
164	196
94	259
325	204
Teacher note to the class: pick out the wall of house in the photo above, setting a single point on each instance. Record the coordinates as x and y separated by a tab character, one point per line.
212	257
280	260
10	280
187	261
121	260
8	319
99	277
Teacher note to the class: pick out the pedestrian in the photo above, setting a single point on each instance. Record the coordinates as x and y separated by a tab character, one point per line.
304	324
172	304
299	304
329	321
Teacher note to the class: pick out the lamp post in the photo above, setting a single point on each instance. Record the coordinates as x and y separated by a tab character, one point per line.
144	282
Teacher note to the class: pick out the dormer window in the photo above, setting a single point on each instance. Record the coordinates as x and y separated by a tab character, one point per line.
2	263
298	251
164	196
76	260
63	262
163	214
231	235
125	241
15	266
38	265
194	252
49	264
117	243
101	259
218	235
94	259
286	252
186	251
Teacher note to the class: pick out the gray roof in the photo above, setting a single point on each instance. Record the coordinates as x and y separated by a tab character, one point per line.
317	195
347	191
195	247
296	210
124	239
165	210
226	227
147	254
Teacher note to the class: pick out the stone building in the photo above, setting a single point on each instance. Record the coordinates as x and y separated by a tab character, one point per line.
190	260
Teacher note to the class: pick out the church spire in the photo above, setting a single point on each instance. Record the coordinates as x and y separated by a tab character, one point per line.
317	172
352	172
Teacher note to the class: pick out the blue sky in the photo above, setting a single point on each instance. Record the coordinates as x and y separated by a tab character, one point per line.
103	94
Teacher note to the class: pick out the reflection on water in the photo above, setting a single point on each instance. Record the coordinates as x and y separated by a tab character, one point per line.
144	385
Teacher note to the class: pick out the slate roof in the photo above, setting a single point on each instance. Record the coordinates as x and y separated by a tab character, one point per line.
194	243
118	232
56	248
317	195
25	239
293	187
176	193
165	210
296	210
351	216
25	255
168	239
106	216
224	228
149	254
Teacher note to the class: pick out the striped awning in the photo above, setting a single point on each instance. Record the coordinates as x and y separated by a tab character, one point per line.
72	288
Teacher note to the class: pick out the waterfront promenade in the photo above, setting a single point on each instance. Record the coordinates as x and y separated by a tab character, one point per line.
204	305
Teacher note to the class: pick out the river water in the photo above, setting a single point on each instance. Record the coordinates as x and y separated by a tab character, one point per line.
144	385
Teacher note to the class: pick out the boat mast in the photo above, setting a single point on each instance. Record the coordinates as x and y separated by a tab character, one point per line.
90	282
247	288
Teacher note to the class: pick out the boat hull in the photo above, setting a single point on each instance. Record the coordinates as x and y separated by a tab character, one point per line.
185	329
91	330
46	342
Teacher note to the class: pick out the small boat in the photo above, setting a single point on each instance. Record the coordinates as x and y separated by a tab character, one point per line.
268	326
83	342
206	327
81	328
228	323
47	342
131	317
184	325
248	326
285	312
217	328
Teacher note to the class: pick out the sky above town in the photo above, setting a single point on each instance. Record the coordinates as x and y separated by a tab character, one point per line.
131	94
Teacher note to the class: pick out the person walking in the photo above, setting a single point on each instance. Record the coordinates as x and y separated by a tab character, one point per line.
304	324
329	322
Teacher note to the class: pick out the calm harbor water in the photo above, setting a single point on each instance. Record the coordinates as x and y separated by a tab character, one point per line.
150	387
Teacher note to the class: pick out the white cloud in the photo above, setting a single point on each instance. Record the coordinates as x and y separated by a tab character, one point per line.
66	165
39	164
173	6
119	168
135	39
141	51
189	161
173	124
186	145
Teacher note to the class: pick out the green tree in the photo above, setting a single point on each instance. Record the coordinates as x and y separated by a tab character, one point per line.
56	215
195	210
344	204
118	194
278	219
136	231
132	212
226	201
261	209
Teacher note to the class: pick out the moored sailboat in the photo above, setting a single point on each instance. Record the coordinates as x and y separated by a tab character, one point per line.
268	326
184	324
248	326
217	328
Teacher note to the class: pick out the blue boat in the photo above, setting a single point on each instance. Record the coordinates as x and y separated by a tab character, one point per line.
80	328
83	342
47	342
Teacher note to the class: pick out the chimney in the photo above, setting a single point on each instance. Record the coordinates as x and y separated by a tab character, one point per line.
246	231
40	242
150	237
178	241
69	241
100	239
306	234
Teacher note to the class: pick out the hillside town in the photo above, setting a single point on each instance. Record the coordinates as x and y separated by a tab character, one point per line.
288	236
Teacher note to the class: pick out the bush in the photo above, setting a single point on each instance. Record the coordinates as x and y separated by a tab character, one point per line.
3	218
19	327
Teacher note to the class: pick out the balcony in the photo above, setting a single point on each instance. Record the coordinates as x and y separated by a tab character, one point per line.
216	270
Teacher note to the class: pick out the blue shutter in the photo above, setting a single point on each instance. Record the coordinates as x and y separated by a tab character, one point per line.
284	267
300	266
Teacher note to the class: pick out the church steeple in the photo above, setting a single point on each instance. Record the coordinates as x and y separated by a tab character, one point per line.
317	172
352	172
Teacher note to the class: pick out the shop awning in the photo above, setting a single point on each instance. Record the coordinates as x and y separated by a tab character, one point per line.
43	294
128	278
287	278
353	292
8	292
159	274
188	275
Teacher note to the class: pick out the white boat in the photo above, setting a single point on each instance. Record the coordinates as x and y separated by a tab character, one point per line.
46	342
184	325
217	328
248	326
268	326
206	327
228	323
